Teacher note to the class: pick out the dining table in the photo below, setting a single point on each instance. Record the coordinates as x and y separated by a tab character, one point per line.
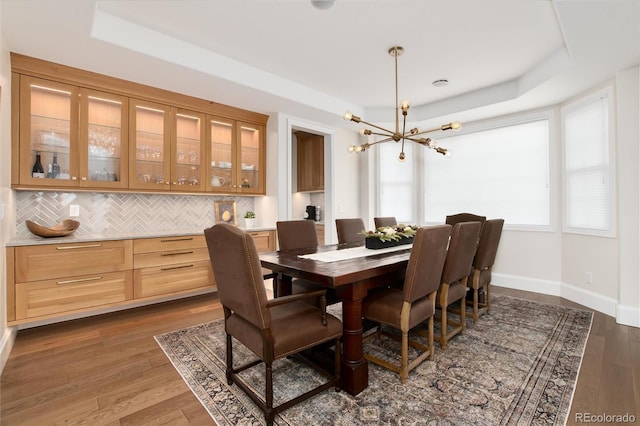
352	270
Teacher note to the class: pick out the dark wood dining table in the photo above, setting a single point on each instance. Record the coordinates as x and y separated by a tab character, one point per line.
351	279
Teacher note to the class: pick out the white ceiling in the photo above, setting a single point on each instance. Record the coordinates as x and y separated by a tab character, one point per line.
499	56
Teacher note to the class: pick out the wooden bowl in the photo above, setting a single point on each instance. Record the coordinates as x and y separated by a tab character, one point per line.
65	228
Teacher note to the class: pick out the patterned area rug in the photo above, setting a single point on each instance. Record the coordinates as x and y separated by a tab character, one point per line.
518	365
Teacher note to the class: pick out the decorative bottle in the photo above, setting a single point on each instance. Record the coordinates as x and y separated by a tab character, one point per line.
37	171
55	167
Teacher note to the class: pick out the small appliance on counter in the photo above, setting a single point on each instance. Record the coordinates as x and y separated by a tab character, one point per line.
312	213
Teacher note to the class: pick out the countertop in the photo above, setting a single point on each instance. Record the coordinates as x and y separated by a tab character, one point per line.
35	240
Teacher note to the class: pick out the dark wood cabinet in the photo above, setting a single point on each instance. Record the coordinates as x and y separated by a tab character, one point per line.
310	162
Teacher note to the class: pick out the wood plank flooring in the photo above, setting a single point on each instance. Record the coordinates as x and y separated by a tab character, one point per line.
108	369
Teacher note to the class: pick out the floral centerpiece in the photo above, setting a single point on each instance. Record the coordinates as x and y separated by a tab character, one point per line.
389	236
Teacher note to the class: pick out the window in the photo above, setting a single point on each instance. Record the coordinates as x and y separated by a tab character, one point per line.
496	172
397	191
588	178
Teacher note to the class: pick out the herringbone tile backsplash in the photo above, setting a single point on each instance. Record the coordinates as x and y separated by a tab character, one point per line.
104	213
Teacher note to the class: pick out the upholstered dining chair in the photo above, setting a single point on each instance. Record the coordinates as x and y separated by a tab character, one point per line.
349	230
482	265
404	308
464	217
453	286
299	234
270	328
384	221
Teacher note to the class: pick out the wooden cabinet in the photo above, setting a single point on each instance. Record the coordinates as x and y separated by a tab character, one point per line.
80	135
167	148
237	156
110	134
310	162
320	233
164	266
49	280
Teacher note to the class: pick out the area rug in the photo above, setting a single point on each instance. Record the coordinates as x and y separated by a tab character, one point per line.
518	365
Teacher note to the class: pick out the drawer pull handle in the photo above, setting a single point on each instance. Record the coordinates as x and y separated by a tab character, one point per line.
176	267
176	254
177	239
78	247
80	280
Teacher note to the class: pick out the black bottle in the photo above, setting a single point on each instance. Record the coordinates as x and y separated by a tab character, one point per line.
55	167
37	171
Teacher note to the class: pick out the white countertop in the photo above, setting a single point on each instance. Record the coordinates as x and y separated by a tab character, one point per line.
35	240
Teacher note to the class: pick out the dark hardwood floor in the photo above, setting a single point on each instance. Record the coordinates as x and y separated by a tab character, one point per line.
108	369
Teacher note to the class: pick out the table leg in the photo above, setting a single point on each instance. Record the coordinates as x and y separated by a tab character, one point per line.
283	285
354	370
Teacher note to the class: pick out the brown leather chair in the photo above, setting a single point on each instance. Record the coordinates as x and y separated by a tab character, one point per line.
299	234
453	286
384	221
464	217
349	230
404	308
270	328
482	265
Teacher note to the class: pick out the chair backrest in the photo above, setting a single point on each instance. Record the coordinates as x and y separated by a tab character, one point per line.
349	230
385	221
296	234
464	217
426	261
488	244
462	249
238	275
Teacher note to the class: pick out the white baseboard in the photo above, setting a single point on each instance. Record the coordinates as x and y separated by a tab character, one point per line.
6	344
627	315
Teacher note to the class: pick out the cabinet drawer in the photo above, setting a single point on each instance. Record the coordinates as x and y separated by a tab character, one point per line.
147	245
159	280
265	240
37	263
170	257
65	295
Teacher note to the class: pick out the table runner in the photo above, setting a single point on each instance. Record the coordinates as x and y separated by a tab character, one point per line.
351	253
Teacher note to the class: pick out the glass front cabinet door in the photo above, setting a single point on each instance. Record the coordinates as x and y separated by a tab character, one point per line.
188	151
149	145
250	173
104	155
221	137
48	142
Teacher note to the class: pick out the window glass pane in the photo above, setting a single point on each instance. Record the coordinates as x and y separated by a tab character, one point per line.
500	172
586	163
397	193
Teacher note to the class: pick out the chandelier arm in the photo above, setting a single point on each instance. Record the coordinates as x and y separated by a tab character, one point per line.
421	141
381	141
426	131
377	127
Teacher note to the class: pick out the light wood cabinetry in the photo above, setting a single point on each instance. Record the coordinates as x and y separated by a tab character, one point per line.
310	162
236	167
52	281
80	135
111	134
320	233
59	279
165	266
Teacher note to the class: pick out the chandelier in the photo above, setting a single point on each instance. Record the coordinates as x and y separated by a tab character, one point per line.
412	135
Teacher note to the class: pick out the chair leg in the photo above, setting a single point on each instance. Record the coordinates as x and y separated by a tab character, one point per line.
404	357
336	369
488	296
229	371
430	338
443	328
463	322
475	305
269	414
